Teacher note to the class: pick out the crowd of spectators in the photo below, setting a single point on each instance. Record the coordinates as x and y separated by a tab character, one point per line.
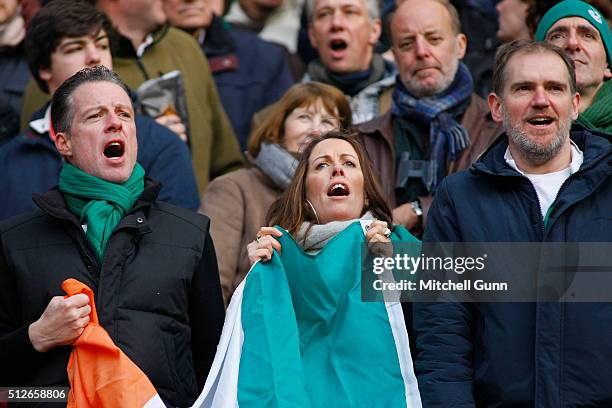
416	82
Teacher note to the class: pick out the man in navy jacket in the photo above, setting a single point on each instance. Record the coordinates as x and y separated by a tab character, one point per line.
541	181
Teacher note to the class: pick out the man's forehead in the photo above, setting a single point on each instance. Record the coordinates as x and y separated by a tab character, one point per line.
572	22
340	3
98	94
434	17
526	67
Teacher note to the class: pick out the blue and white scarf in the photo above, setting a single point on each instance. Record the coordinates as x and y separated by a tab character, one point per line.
446	136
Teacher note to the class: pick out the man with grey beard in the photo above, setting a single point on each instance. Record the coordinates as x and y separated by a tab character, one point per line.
437	125
539	182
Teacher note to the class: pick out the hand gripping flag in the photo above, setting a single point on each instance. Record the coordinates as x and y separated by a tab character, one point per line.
100	374
297	334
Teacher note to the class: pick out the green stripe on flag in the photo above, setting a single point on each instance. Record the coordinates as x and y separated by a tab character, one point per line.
309	340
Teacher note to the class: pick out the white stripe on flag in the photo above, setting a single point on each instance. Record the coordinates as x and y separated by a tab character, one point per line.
155	402
400	335
221	387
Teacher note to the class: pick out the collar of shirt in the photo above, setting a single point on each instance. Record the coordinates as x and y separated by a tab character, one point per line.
42	125
577	158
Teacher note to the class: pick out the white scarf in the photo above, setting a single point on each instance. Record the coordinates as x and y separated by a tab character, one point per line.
313	237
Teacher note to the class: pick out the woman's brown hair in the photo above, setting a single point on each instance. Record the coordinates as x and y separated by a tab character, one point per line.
272	129
290	210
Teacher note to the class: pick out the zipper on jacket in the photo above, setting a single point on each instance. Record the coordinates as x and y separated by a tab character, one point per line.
554	202
91	263
142	68
552	205
543	228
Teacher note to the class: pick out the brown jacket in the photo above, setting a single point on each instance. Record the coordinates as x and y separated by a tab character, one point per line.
377	136
236	204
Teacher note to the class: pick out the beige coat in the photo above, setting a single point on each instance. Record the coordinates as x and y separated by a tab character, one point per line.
236	204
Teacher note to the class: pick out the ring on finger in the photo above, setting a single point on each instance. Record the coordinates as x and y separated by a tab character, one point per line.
387	232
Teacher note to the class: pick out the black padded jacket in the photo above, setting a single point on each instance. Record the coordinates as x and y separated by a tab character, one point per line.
157	291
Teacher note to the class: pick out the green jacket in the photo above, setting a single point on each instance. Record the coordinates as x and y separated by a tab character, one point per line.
214	146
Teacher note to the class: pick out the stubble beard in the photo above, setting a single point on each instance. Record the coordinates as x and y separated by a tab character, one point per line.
418	90
529	149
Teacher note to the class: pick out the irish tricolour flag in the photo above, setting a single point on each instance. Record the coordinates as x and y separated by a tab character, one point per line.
298	335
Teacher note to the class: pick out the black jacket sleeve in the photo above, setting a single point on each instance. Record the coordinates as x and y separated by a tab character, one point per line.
18	358
207	312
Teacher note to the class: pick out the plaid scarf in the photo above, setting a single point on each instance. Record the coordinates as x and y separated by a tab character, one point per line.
446	136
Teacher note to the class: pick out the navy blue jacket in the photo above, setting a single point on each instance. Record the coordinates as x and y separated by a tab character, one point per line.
518	354
14	76
250	74
29	163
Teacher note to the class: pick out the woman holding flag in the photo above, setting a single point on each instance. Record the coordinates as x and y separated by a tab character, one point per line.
297	332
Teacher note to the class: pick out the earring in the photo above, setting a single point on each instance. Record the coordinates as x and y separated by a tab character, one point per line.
313	211
366	203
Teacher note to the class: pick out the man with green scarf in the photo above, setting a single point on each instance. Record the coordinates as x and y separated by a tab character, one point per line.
583	32
151	265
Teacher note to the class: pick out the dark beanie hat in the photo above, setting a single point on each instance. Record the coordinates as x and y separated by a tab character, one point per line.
577	8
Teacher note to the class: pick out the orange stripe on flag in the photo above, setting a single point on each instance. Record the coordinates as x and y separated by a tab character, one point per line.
100	374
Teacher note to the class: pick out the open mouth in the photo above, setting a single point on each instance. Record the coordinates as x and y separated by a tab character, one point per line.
114	149
338	190
338	45
540	121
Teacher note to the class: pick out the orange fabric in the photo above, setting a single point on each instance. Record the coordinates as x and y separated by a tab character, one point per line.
100	374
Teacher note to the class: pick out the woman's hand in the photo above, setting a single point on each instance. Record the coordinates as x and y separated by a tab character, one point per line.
377	235
263	246
378	231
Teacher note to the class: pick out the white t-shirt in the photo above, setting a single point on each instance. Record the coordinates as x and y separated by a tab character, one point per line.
547	185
